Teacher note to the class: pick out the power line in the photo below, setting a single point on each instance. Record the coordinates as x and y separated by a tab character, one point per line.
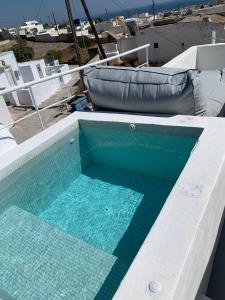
86	10
39	9
121	6
72	26
153	8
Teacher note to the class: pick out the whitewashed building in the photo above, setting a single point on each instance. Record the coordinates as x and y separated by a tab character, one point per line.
168	41
13	73
30	28
113	26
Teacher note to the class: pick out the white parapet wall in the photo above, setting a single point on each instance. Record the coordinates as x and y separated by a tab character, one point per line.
169	41
7	141
5	116
186	60
202	57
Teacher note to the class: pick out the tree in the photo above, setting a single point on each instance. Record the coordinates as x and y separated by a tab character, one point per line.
63	25
188	12
22	51
98	20
85	42
53	54
167	14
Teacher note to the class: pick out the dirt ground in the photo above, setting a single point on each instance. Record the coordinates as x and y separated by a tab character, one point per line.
41	49
8	46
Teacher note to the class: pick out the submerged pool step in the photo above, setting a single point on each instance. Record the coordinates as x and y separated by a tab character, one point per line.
38	261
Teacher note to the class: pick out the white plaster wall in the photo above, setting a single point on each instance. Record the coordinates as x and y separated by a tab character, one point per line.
10	60
32	67
170	39
44	90
5	116
211	57
66	78
82	33
4	84
219	9
7	141
125	44
186	60
41	92
203	57
24	97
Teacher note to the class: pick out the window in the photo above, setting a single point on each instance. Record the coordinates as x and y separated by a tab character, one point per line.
39	71
156	45
17	74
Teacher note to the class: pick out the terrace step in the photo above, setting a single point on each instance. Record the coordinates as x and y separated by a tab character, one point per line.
39	261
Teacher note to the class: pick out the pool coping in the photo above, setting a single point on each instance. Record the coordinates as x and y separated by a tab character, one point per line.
178	247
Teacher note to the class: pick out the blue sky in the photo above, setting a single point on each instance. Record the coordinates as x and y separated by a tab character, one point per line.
12	11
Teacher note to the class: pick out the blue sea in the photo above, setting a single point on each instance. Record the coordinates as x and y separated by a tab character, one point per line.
168	5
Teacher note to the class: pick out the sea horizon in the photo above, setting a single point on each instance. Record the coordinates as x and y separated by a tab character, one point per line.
169	5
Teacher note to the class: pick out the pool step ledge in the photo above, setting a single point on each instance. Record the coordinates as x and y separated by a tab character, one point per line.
39	261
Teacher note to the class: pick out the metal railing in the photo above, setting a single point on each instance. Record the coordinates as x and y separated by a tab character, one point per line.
48	78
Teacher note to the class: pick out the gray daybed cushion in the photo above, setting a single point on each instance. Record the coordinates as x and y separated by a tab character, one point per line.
210	85
157	90
144	90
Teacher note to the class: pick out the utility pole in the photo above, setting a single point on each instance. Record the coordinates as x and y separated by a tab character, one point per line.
71	21
93	28
153	8
106	14
49	20
56	27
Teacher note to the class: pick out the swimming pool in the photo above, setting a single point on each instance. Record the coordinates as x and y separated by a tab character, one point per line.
102	185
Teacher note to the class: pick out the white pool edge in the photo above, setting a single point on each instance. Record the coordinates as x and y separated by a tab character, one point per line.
178	247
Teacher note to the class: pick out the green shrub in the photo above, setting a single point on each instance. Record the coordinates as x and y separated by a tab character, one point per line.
84	41
53	54
22	51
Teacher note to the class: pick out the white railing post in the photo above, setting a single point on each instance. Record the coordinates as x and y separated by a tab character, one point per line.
213	40
36	107
28	85
147	59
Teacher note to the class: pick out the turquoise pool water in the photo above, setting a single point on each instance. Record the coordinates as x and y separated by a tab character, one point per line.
103	185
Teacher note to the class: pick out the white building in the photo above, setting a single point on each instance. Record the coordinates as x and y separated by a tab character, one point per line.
10	75
113	26
168	41
13	73
57	35
13	31
30	28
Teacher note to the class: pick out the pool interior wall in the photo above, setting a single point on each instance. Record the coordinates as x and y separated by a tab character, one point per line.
102	184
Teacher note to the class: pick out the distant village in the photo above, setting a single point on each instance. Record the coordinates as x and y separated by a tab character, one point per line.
174	31
34	51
